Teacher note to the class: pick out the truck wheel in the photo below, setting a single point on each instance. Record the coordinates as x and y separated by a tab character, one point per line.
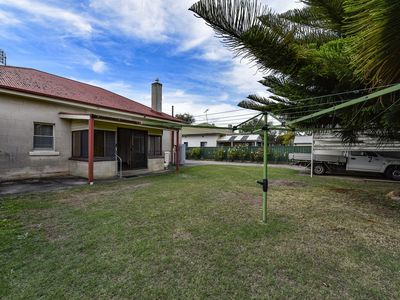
393	172
319	169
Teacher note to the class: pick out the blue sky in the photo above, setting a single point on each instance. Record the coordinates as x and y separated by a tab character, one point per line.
123	45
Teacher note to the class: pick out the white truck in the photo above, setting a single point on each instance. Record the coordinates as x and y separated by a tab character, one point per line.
359	161
329	155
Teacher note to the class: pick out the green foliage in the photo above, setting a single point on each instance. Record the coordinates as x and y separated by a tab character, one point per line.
195	153
219	154
252	125
233	154
242	153
186	117
287	138
257	155
326	47
374	27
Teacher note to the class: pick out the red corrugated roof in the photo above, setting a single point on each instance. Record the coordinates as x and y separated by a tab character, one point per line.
45	84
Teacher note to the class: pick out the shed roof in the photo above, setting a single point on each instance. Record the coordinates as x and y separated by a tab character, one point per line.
202	130
40	83
303	139
240	138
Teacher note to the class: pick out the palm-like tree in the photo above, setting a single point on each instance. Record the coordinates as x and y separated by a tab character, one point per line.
306	53
374	26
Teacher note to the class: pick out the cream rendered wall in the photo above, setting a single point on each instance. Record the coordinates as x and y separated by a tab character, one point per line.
194	140
17	116
101	169
166	141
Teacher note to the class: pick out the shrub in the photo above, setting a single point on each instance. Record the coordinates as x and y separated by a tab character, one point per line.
258	155
242	153
232	154
219	154
196	153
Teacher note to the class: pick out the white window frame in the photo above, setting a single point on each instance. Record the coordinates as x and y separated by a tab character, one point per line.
44	151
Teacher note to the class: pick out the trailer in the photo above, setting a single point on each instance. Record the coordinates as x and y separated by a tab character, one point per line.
329	154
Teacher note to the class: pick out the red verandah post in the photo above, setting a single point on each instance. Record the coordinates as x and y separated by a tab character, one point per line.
91	150
177	150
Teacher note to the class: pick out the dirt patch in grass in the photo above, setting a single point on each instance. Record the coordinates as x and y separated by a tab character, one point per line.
84	199
243	197
288	183
181	234
345	191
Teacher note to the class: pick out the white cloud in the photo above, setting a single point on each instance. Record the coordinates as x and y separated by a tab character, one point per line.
7	18
99	66
76	24
243	76
138	18
169	20
161	21
282	5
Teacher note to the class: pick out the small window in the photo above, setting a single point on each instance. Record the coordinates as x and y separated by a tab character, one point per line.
186	144
43	136
203	144
155	148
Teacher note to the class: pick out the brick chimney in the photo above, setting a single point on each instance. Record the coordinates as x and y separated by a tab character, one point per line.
156	96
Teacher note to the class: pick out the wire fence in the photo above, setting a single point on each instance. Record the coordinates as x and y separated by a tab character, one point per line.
277	154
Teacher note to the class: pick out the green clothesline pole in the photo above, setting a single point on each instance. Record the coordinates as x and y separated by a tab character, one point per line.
265	173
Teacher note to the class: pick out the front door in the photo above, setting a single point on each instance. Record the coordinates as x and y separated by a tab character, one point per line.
139	151
132	148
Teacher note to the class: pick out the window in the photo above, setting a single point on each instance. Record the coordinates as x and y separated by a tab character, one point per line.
203	144
186	144
357	153
104	144
43	136
364	153
155	146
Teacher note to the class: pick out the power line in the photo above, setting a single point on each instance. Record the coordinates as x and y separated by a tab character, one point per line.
223	112
343	93
231	117
312	105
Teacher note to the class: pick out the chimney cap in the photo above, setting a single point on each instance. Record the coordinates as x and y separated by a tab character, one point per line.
157	80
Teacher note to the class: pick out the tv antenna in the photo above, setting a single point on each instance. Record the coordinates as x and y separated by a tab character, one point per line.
206	111
3	58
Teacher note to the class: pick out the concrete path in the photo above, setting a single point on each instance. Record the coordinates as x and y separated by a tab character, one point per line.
39	185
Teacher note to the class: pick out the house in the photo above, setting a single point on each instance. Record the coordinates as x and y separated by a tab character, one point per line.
240	140
51	125
203	136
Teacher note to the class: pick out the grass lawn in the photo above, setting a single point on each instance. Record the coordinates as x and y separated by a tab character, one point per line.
197	234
